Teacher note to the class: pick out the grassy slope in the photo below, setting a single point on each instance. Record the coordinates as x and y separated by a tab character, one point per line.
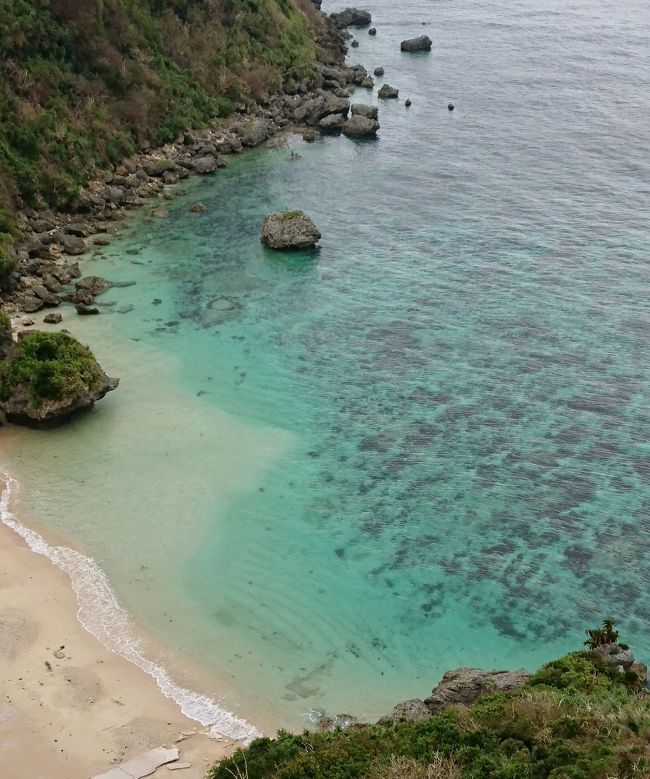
84	82
576	720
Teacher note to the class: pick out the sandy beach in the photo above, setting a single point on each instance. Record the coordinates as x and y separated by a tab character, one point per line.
69	708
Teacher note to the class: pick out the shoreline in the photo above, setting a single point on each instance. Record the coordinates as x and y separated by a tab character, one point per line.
72	706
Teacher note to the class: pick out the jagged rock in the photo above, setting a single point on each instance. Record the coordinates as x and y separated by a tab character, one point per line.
170	177
358	126
92	284
198	208
53	318
312	111
289	230
309	135
75	379
207	164
464	685
414	710
355	44
369	111
114	195
255	132
421	43
378	72
351	17
330	723
52	284
387	92
72	244
615	655
367	83
157	167
372	31
41	292
332	123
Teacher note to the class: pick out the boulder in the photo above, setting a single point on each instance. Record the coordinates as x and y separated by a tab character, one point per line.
170	177
315	109
369	111
309	135
372	31
92	284
198	208
421	43
289	230
207	164
355	44
414	710
407	102
387	92
114	195
464	685
332	123
41	292
367	83
378	72
255	132
79	229
358	126
160	213
32	304
48	376
53	318
84	310
72	244
351	17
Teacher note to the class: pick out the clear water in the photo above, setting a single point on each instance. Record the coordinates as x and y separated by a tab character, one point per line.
424	445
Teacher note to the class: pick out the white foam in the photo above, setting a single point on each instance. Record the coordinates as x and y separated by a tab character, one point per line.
103	617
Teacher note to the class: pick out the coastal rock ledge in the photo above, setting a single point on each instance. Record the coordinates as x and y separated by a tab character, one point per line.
289	230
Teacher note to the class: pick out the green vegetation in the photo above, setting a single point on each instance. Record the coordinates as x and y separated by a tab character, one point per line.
577	719
288	216
5	325
600	637
51	365
87	82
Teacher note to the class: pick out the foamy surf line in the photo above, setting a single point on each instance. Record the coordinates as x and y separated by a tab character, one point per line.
102	616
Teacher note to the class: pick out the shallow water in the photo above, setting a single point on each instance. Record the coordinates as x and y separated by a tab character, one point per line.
424	445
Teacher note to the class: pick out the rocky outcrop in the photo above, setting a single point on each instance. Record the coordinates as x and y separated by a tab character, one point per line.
254	133
332	123
464	685
289	230
358	126
48	376
351	17
388	93
414	710
421	43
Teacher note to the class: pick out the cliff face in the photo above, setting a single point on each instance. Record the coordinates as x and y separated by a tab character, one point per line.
84	83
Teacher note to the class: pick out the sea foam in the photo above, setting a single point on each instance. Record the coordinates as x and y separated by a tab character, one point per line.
102	616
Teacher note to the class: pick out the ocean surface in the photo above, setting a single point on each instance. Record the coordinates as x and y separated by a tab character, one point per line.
424	445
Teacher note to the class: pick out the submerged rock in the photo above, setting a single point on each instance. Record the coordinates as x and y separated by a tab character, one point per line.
358	126
48	376
387	92
289	230
421	43
351	17
464	685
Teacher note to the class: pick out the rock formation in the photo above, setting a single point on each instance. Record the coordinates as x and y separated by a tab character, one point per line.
351	17
289	230
358	126
48	376
387	92
421	43
464	685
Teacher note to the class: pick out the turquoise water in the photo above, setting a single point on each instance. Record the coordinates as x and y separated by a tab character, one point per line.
425	444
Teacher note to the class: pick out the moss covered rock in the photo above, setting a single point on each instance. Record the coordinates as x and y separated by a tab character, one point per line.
48	376
289	230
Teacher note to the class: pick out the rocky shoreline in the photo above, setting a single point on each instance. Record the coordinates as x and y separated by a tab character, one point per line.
47	272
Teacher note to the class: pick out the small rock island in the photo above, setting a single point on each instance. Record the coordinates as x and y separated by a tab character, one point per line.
289	230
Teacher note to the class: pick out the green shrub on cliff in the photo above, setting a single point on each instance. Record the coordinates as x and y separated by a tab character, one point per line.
51	366
577	719
85	82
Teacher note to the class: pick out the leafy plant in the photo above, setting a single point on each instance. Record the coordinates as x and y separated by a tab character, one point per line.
602	636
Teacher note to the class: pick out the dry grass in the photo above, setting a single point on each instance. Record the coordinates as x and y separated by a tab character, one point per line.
440	767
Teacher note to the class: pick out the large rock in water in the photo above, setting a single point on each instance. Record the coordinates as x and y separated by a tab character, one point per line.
369	111
358	126
289	230
351	17
421	43
464	685
255	132
48	376
387	92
